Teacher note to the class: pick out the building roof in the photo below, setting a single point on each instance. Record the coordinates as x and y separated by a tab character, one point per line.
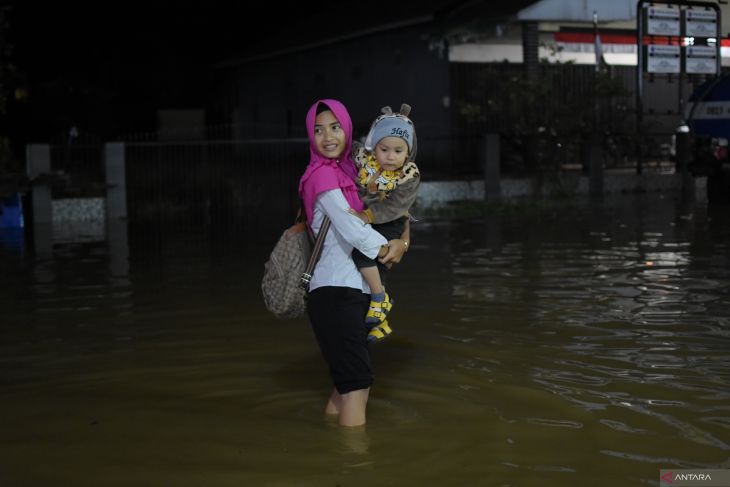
325	26
579	10
447	18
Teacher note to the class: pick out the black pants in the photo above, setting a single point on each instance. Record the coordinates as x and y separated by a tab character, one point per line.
389	230
337	315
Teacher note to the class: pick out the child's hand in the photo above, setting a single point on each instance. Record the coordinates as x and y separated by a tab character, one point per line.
360	214
372	182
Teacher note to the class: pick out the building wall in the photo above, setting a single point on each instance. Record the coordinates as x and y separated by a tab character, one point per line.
365	73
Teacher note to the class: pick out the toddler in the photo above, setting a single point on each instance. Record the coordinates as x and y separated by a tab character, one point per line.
388	181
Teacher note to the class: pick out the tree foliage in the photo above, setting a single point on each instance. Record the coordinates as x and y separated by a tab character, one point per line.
9	166
545	117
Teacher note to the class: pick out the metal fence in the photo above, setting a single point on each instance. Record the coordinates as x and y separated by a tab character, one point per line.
475	86
239	186
216	170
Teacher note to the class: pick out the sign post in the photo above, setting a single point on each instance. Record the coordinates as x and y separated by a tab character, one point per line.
675	38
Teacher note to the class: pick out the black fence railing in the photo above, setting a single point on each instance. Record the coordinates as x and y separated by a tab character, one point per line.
252	186
232	185
604	101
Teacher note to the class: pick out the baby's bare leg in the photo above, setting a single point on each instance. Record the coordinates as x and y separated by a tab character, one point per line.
372	277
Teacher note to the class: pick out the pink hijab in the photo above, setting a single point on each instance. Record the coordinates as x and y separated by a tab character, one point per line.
323	174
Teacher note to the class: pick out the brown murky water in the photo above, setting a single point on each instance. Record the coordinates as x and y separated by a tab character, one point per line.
582	345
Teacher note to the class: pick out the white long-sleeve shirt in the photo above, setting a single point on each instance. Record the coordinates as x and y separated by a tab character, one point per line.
335	266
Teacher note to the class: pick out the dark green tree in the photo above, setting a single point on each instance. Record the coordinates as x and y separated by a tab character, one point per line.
548	118
11	176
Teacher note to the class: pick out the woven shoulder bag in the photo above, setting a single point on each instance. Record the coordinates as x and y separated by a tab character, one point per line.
289	268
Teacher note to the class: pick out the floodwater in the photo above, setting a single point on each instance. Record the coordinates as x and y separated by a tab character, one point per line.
561	345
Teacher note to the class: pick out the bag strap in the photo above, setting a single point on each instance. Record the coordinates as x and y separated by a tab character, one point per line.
302	218
316	252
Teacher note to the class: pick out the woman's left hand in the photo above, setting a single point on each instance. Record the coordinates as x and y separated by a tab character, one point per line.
396	249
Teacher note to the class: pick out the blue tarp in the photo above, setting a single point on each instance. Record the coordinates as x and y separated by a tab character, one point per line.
11	212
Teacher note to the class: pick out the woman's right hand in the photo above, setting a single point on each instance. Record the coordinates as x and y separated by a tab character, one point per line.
383	251
395	250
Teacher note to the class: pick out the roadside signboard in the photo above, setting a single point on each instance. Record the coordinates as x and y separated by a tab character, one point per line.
700	59
662	21
662	59
700	23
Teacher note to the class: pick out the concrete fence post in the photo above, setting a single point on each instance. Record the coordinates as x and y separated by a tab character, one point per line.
116	180
116	208
683	154
530	50
492	173
38	169
38	160
595	166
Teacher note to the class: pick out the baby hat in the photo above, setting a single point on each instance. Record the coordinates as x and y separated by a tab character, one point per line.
393	125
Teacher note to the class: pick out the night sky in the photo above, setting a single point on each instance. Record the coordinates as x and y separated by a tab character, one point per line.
107	67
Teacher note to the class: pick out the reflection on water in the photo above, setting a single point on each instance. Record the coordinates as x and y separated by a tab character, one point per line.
560	346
